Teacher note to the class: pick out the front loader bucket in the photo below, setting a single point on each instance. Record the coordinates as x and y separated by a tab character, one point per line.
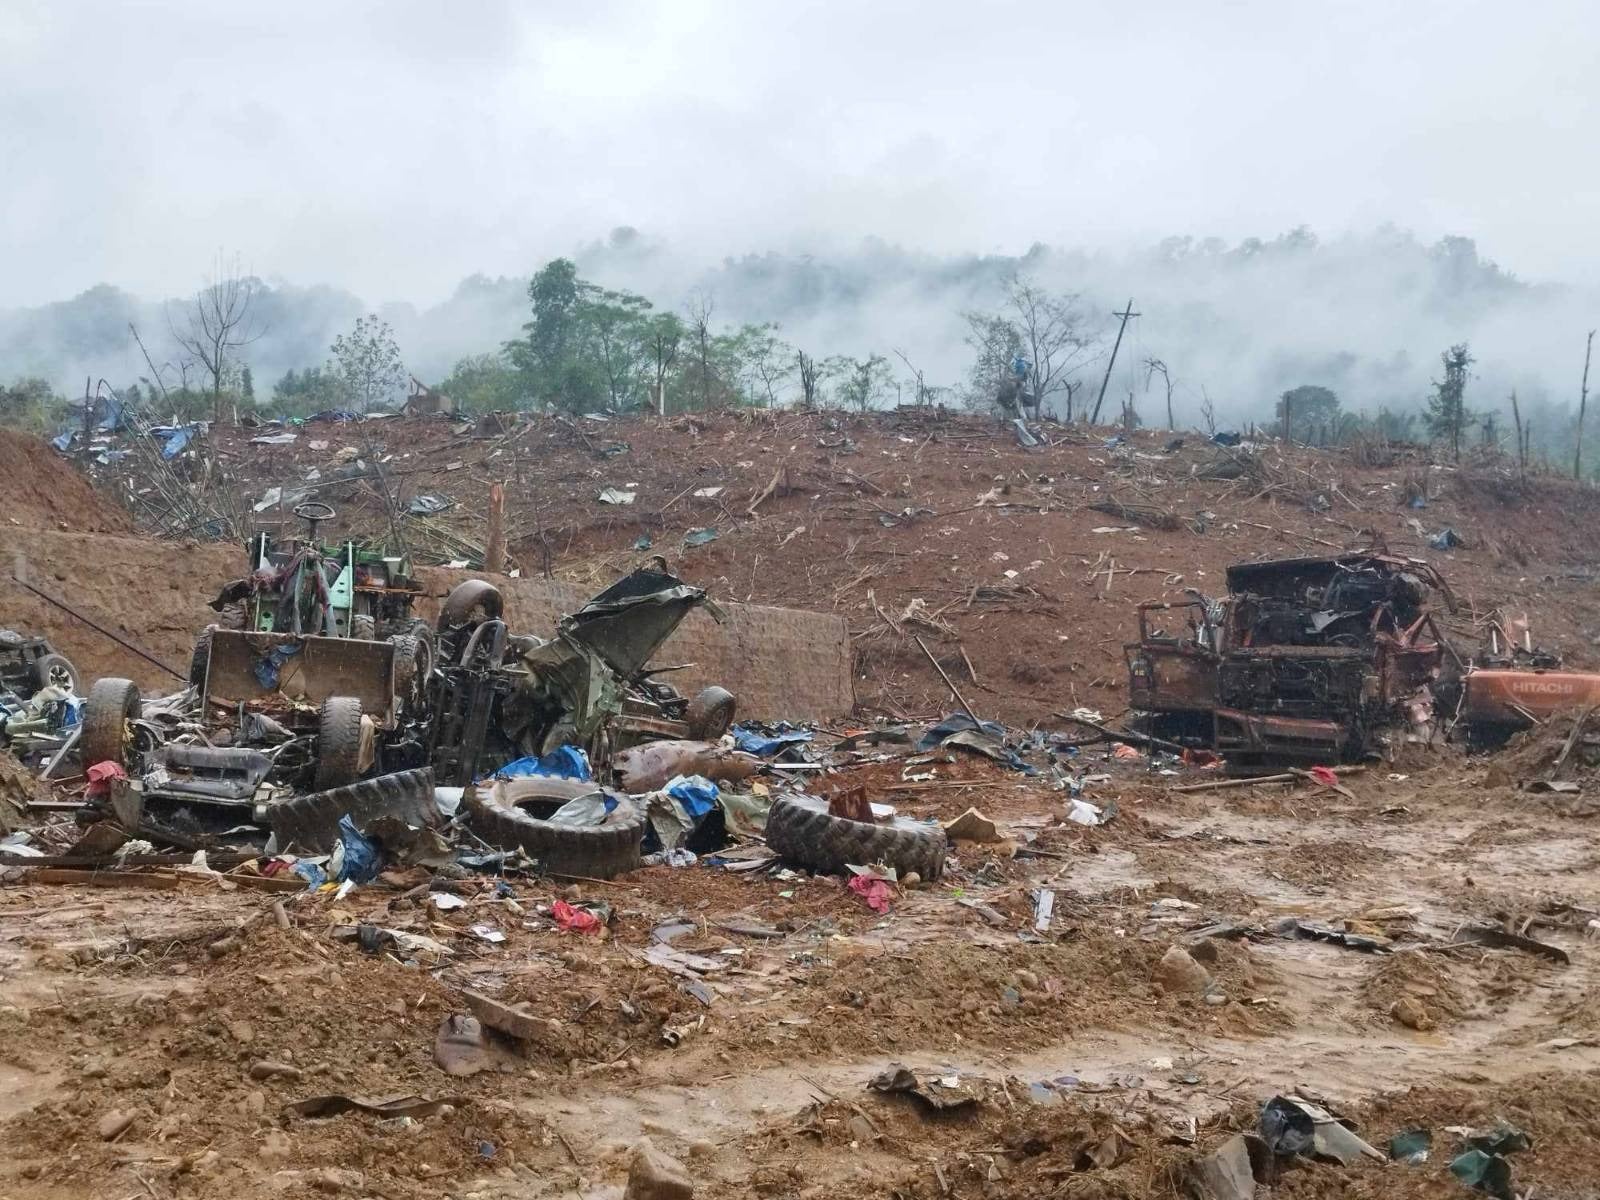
308	670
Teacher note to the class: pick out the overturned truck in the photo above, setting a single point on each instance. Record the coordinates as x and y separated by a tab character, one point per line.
1304	658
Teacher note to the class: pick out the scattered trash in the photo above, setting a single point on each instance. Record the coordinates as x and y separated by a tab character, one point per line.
877	893
1044	907
1293	1126
613	495
1411	1146
400	1106
1493	935
699	537
940	1091
579	919
427	506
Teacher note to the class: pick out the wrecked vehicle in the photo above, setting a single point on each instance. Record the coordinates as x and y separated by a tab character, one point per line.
1512	685
276	714
1304	658
499	697
31	664
305	587
39	704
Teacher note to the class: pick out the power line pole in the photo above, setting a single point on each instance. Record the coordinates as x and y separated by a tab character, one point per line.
1583	401
1121	329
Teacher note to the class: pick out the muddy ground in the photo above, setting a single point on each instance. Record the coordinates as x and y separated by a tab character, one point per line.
153	1040
113	1003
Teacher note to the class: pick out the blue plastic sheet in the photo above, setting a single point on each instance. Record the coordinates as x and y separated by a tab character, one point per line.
955	723
63	440
177	440
1445	539
696	793
314	875
267	667
753	740
564	762
358	858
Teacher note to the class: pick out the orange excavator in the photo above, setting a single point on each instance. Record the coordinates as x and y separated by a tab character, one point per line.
1513	685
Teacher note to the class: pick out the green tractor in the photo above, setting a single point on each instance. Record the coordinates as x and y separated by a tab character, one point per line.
308	588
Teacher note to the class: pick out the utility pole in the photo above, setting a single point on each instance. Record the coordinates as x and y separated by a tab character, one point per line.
1125	314
1583	401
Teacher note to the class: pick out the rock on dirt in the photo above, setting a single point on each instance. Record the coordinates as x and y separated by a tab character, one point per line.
1411	1013
1178	972
114	1124
656	1176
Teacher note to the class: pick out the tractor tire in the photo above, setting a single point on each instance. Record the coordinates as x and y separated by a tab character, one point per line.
364	628
466	596
801	829
413	663
338	743
710	714
54	670
112	703
200	660
589	851
310	824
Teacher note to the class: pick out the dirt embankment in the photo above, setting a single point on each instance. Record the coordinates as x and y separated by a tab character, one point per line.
939	525
41	490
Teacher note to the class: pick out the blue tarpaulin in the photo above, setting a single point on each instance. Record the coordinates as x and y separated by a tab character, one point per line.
564	762
357	858
754	740
177	439
696	793
267	666
63	440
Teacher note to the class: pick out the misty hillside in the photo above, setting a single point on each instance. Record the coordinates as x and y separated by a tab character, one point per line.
1365	315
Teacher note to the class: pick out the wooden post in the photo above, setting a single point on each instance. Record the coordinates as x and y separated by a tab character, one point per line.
1522	448
1112	361
1583	401
494	554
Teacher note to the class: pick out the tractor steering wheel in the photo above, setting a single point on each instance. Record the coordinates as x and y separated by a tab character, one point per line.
311	512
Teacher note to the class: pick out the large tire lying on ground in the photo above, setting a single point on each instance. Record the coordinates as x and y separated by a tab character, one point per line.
111	704
801	829
310	823
594	851
710	714
338	742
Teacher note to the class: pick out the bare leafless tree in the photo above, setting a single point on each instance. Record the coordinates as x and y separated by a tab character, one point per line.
808	378
1046	329
924	392
698	311
218	323
1152	368
1208	411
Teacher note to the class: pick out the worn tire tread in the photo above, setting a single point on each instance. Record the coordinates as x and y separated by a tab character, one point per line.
310	823
597	852
338	743
110	705
801	829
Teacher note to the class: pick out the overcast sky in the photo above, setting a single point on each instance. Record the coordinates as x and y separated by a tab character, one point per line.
395	147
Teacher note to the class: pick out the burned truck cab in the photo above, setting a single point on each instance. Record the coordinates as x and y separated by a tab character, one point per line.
1304	658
